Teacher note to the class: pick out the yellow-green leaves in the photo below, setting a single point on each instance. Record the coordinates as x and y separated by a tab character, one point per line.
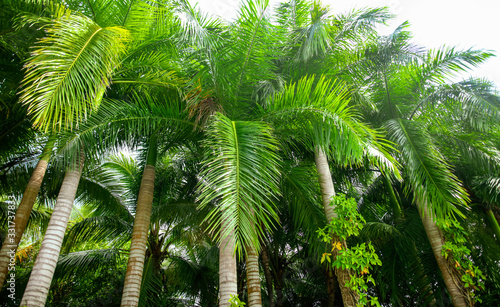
69	70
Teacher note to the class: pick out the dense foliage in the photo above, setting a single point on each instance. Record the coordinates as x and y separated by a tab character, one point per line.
345	167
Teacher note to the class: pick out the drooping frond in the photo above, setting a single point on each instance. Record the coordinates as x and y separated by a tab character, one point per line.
240	174
69	71
429	175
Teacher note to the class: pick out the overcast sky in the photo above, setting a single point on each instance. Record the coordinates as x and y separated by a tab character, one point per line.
460	23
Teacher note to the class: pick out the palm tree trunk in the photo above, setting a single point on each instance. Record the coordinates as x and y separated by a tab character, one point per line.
349	297
493	223
138	245
253	278
267	274
46	261
227	268
24	210
453	283
330	286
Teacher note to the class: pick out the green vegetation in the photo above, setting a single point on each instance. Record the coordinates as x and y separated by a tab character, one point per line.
151	155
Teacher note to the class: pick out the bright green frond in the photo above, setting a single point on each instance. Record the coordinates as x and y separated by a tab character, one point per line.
69	71
241	175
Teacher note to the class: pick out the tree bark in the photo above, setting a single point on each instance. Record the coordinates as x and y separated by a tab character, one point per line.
41	277
330	287
279	283
24	210
267	274
349	297
453	283
227	267
138	245
253	278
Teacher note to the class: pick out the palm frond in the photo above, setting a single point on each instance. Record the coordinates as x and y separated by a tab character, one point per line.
241	174
428	174
69	71
318	111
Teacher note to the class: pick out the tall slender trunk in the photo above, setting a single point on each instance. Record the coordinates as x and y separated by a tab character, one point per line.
349	297
46	261
227	267
138	245
24	210
452	281
253	278
493	223
267	274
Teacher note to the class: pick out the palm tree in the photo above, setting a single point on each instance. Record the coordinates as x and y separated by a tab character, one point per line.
231	64
56	103
404	82
135	266
241	162
318	112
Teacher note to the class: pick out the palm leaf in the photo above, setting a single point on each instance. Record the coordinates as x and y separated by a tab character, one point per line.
429	176
241	174
69	71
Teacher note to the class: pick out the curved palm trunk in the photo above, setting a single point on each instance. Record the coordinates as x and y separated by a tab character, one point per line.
135	265
227	268
349	297
453	283
253	278
46	261
493	223
24	210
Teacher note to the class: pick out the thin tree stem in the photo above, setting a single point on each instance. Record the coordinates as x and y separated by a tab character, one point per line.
398	214
493	223
267	274
24	210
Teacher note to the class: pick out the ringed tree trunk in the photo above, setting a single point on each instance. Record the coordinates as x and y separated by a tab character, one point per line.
24	210
228	281
452	281
41	277
349	297
137	254
253	278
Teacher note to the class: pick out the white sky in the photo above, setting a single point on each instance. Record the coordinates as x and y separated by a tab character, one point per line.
460	23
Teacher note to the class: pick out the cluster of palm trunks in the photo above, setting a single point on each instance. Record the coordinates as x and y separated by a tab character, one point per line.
153	155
